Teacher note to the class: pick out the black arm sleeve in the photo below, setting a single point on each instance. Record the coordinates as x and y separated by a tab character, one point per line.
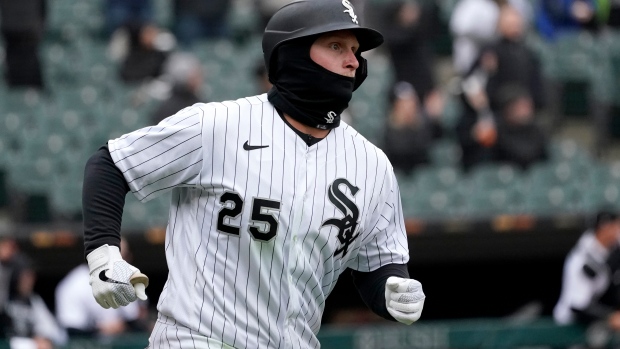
103	199
371	286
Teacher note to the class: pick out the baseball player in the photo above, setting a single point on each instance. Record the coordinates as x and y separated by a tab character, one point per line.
273	197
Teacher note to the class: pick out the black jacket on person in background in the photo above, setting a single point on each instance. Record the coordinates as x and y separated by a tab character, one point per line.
180	98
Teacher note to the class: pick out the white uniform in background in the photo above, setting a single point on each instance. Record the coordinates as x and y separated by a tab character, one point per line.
77	308
586	277
261	224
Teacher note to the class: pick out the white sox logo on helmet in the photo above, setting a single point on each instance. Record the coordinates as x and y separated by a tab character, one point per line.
349	10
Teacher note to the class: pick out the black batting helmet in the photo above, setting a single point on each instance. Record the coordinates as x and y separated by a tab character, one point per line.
310	17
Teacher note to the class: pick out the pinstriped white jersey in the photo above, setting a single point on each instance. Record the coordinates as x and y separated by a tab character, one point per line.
261	224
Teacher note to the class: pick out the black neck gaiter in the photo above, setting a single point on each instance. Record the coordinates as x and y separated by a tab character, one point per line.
306	91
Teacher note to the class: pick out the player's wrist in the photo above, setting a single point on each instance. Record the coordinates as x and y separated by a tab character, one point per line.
103	255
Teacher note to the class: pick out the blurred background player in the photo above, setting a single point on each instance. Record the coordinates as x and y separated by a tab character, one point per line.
78	312
25	319
586	275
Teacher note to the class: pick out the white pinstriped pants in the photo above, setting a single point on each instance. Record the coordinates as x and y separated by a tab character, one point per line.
168	335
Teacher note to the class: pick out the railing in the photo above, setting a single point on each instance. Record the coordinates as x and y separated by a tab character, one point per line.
456	334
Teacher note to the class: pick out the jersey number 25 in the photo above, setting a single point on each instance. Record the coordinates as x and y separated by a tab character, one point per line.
263	223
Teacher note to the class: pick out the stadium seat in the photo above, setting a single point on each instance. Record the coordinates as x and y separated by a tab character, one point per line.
605	173
560	173
442	177
567	150
494	175
575	57
66	195
484	203
445	152
554	199
602	195
31	175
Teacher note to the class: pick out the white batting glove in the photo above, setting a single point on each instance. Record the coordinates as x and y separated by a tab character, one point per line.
114	282
404	299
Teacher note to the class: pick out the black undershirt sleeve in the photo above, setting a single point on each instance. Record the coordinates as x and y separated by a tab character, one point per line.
103	199
371	286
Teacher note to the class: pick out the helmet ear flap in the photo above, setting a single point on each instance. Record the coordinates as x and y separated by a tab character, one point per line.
361	72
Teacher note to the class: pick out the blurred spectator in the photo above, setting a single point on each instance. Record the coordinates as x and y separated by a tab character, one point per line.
26	320
198	19
184	72
520	140
554	17
263	85
476	128
142	50
525	9
121	12
266	9
78	311
473	25
409	28
586	275
23	24
411	128
508	62
511	61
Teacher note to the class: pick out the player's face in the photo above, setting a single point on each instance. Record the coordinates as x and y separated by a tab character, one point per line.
335	51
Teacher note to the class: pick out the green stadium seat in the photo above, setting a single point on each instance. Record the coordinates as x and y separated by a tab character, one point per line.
605	173
31	175
66	195
445	152
494	175
568	150
484	203
431	178
555	199
602	195
438	204
561	173
575	57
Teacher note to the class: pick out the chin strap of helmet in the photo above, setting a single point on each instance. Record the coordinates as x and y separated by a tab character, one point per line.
361	72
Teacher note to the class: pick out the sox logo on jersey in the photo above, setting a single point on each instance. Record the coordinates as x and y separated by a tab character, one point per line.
261	224
348	224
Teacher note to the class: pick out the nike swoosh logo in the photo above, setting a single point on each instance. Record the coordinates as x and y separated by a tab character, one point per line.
104	278
246	146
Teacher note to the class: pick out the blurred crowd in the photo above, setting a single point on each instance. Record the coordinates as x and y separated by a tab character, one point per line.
495	75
